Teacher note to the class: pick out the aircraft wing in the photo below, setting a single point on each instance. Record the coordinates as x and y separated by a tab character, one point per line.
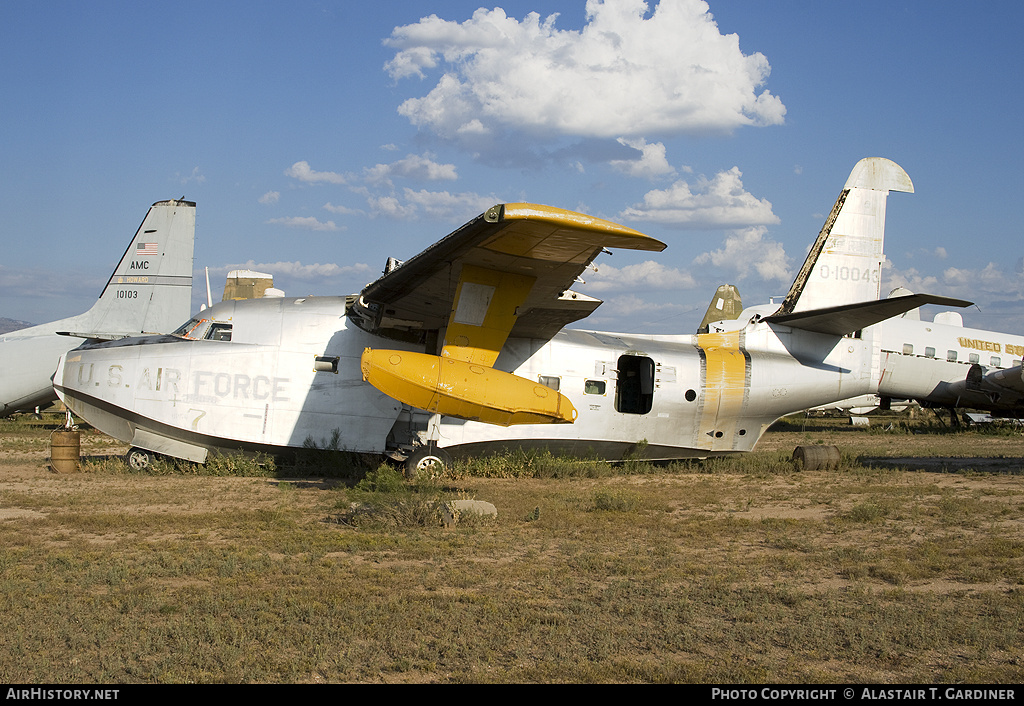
507	272
539	249
847	318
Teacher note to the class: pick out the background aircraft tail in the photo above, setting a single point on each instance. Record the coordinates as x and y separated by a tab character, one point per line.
150	290
726	305
845	264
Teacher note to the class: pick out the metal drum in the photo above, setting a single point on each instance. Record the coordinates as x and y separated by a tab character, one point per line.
817	458
65	451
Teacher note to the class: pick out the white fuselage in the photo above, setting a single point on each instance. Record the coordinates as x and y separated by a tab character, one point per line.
705	399
290	374
930	361
28	358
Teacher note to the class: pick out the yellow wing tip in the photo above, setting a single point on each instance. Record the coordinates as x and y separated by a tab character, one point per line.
620	236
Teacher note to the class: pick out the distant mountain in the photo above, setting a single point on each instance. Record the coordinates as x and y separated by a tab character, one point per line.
8	325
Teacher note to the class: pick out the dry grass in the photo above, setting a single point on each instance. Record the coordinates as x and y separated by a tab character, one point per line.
735	571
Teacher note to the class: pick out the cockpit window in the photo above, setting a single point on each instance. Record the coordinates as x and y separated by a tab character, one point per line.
198	329
190	329
219	332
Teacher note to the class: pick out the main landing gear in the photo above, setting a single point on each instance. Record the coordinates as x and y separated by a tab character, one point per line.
139	459
427	461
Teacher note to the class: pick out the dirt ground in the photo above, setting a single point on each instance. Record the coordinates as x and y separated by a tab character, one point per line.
902	566
961	460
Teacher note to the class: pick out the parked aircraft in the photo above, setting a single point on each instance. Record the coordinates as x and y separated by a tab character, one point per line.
461	350
150	291
942	364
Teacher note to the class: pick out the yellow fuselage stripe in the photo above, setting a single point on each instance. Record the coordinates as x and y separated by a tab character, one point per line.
724	388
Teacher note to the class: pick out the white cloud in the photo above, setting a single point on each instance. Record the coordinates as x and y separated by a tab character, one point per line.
438	205
722	201
999	295
967	283
644	275
413	166
343	210
297	270
748	249
306	222
445	205
909	278
623	74
651	163
303	172
195	176
630	313
270	197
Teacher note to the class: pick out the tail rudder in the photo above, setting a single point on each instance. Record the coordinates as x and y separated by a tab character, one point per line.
150	290
844	265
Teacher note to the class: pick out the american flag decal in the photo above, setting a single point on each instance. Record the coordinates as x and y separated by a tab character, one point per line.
145	249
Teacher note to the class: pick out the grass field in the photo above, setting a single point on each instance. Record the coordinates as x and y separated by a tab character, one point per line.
739	571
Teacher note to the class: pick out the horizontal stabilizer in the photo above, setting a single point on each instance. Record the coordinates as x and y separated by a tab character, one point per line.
847	318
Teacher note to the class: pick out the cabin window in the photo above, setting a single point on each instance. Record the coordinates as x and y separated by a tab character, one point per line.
1016	362
219	332
634	385
951	356
908	349
996	361
593	387
974	358
929	352
550	381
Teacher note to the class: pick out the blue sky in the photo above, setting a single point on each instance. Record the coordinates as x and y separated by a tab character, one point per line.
319	138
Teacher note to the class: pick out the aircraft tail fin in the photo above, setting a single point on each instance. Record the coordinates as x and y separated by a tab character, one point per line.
844	265
150	290
726	305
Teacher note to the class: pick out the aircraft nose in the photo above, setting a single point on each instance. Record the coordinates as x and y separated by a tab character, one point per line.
58	374
57	379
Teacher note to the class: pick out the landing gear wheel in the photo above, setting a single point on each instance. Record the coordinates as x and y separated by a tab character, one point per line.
139	459
426	462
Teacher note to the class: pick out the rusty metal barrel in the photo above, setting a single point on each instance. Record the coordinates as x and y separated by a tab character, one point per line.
817	458
65	450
